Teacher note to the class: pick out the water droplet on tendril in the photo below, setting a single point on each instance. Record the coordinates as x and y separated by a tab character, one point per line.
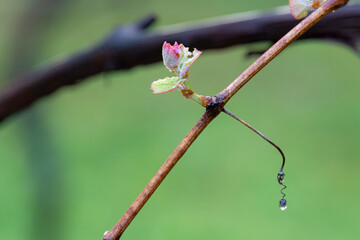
282	204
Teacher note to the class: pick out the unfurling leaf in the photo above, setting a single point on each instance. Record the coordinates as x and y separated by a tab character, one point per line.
171	56
190	60
165	85
178	58
300	8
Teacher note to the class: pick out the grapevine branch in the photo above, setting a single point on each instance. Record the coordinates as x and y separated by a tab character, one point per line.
214	108
132	45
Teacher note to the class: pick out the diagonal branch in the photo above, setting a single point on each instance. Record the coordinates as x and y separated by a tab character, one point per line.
132	45
215	107
175	156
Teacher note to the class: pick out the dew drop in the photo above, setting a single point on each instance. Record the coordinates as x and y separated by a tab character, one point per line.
283	208
282	204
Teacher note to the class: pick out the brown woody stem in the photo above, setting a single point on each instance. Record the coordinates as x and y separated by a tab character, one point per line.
215	107
280	45
150	188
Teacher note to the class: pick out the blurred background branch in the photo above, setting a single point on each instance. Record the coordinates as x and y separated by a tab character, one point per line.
131	45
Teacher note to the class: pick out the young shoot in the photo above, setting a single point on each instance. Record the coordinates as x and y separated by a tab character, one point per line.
178	59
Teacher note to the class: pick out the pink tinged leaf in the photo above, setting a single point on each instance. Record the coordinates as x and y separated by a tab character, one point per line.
165	85
195	54
300	8
171	56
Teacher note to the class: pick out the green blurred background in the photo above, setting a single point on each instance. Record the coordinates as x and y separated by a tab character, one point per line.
73	163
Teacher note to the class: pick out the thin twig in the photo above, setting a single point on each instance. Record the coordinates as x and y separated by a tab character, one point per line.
215	107
131	45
